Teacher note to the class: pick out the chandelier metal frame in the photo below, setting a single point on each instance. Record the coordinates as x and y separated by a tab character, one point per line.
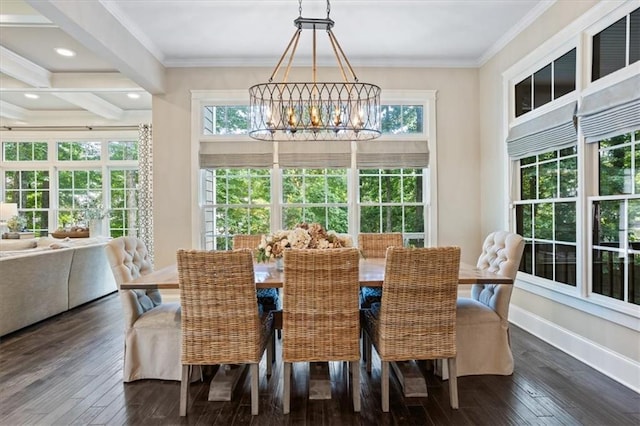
294	111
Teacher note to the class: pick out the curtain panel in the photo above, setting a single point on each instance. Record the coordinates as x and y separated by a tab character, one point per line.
145	193
612	111
553	130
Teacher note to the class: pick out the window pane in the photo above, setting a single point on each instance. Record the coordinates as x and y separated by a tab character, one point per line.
528	183
526	264
608	274
615	171
523	97
10	150
548	180
338	219
637	179
565	264
542	87
370	218
524	220
391	219
40	151
369	189
609	50
568	177
564	74
634	224
634	36
413	219
566	222
544	260
634	279
608	222
543	221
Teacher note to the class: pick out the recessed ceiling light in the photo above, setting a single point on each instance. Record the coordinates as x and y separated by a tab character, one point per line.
65	52
31	96
133	95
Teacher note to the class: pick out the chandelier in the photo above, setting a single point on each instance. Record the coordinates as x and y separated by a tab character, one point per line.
314	110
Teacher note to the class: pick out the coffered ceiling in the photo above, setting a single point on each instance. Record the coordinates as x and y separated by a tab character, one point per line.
123	47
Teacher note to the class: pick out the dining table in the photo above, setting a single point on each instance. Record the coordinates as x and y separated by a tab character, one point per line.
267	275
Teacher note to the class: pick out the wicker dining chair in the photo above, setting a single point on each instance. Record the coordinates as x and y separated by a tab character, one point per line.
321	319
416	319
221	321
374	245
267	297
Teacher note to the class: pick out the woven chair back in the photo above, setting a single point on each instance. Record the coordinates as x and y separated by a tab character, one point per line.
375	245
245	241
321	319
418	308
220	320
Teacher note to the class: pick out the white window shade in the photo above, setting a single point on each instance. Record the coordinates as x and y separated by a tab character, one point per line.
315	154
382	154
550	131
240	154
612	111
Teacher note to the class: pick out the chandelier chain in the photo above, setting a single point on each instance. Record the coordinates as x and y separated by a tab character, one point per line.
300	8
328	8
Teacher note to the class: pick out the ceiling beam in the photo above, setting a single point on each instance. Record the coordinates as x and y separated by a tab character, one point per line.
91	24
23	69
12	111
92	103
76	118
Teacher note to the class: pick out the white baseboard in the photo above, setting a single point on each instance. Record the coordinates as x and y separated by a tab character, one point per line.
620	368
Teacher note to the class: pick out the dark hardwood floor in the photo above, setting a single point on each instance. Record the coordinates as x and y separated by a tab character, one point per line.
67	371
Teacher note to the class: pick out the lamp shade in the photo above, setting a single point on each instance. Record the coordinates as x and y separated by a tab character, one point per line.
7	211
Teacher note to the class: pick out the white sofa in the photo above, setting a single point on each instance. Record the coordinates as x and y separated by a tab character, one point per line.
45	277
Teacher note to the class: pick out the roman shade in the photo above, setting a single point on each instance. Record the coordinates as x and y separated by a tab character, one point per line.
240	154
314	154
553	130
385	154
612	111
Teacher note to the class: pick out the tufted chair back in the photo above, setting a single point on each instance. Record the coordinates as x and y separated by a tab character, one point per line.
501	253
129	258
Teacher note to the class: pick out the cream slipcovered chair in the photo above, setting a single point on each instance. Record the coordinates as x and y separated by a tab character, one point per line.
374	246
416	318
483	326
321	316
221	319
267	297
152	328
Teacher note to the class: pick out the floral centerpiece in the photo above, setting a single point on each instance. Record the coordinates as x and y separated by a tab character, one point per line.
302	236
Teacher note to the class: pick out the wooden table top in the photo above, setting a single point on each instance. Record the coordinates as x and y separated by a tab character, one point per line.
267	276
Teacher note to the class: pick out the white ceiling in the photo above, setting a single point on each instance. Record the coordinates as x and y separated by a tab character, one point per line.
124	46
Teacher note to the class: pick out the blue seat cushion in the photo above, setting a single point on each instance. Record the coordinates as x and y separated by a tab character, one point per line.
369	296
268	298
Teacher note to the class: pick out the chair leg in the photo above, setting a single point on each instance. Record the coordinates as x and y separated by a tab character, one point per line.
355	385
255	375
286	399
453	382
271	347
367	351
384	382
184	389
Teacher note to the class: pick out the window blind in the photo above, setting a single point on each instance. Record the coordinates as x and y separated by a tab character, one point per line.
553	130
612	111
314	154
392	154
226	154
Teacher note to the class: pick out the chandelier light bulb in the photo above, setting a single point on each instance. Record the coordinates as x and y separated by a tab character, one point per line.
315	116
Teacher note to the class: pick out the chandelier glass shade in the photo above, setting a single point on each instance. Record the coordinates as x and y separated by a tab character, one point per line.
314	110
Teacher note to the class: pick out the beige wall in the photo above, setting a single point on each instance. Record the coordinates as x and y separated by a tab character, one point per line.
617	338
457	133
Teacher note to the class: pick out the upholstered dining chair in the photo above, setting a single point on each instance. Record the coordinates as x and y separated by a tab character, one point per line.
321	319
221	320
416	318
152	328
483	319
374	245
267	297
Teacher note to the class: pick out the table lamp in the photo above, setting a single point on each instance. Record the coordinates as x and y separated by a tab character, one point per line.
7	211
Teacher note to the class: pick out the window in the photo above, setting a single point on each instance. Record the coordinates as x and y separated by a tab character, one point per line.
236	201
547	84
225	119
315	195
402	119
616	220
58	183
616	46
546	215
392	201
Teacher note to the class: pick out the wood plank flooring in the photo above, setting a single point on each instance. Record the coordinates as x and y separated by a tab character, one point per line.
68	371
